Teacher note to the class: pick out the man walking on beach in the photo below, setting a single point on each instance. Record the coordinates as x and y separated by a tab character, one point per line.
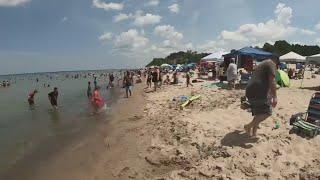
127	83
188	76
261	94
53	98
232	74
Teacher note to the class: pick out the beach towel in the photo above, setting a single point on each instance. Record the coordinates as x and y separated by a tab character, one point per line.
307	128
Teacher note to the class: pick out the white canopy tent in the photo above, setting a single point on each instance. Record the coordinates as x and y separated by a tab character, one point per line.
315	59
292	57
217	56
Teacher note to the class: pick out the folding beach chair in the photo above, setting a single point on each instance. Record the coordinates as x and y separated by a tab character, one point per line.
309	125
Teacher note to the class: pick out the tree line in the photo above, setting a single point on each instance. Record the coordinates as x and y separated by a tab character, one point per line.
279	48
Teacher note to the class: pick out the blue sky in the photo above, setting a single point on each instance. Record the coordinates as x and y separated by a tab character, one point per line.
46	35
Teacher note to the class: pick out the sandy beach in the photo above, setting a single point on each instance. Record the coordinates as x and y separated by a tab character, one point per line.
206	140
151	137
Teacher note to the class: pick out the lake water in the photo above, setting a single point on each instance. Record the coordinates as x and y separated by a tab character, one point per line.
24	130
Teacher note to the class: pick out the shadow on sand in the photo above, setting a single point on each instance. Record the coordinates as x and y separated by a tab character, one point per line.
315	88
238	138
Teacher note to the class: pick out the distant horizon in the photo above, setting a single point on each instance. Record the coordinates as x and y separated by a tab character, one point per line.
44	72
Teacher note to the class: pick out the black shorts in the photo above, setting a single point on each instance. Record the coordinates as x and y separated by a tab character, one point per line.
54	102
260	106
31	101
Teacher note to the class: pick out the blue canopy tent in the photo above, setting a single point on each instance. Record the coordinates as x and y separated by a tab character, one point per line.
247	55
258	54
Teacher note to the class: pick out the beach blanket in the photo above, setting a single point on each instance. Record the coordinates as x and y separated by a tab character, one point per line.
216	85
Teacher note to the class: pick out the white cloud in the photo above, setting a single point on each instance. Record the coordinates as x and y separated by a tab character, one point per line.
284	14
317	26
12	3
106	37
318	41
307	32
271	30
107	6
174	8
121	17
153	3
211	46
168	32
173	40
147	19
131	40
64	19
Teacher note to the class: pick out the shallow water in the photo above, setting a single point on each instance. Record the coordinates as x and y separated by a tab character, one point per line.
24	130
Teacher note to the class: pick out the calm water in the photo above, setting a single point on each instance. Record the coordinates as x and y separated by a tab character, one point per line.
23	130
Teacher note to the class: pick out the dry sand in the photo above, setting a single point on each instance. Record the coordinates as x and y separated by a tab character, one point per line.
207	141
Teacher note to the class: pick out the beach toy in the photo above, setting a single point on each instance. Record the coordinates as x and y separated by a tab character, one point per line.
277	125
190	100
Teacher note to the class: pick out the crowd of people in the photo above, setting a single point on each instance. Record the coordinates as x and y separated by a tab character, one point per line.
5	83
93	93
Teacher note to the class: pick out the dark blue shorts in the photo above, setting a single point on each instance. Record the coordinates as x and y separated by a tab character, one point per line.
260	106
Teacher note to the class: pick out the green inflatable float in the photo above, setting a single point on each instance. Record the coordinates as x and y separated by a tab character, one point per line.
282	79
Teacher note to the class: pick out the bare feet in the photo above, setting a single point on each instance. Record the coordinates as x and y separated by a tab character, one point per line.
247	129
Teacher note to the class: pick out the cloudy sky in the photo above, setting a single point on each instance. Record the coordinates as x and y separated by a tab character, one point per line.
47	35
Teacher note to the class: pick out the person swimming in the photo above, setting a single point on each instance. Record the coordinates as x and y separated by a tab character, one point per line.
31	97
53	98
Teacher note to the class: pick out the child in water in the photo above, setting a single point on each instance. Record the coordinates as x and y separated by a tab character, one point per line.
31	97
97	100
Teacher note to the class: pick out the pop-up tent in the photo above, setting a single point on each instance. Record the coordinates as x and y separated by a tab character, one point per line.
253	52
315	59
217	56
292	57
248	56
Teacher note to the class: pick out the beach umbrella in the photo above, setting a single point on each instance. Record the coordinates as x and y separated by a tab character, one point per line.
282	79
166	65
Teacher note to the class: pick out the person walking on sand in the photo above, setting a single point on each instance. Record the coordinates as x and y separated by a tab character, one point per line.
53	98
89	91
31	97
188	76
127	83
149	79
155	78
261	94
232	74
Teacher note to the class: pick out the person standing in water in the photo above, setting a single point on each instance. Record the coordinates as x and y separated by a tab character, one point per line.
127	83
261	92
97	100
53	98
31	98
95	82
89	91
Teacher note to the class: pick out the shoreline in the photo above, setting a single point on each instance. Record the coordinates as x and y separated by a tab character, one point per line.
76	156
149	136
